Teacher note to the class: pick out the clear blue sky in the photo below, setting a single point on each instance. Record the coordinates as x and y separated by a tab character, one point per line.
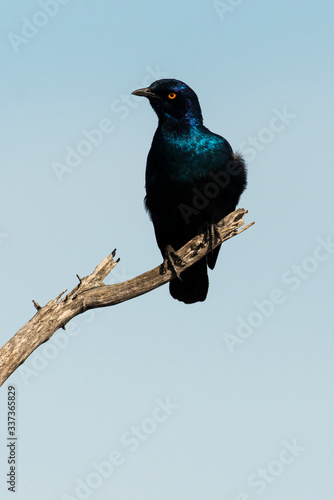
231	399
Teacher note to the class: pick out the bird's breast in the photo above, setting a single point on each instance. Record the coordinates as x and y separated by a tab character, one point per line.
182	157
179	163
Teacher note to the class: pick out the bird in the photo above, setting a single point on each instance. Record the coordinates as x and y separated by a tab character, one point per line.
193	180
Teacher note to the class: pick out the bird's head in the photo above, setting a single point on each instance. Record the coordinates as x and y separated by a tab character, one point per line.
173	101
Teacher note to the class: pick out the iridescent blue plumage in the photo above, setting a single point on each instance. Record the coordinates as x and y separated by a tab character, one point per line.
193	179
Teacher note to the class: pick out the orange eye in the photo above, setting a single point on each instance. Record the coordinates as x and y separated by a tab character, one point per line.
172	95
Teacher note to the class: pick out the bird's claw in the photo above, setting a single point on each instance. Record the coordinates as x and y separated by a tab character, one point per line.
212	235
172	259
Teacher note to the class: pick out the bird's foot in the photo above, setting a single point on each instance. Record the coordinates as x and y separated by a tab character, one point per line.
172	259
212	236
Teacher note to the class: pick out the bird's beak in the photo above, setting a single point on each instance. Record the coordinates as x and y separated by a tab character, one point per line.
145	92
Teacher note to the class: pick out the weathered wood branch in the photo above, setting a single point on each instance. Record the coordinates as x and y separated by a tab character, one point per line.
91	293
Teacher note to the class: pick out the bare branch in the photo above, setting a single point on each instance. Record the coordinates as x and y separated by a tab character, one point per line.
91	293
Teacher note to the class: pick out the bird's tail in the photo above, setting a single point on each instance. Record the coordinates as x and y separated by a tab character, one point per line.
194	285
